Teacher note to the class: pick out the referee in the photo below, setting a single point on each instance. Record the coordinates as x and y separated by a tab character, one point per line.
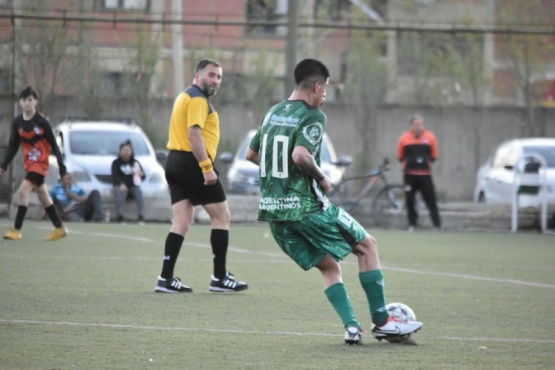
194	135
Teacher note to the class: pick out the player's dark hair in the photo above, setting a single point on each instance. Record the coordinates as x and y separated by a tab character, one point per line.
310	71
204	62
27	92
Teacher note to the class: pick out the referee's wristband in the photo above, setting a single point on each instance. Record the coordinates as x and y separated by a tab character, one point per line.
206	166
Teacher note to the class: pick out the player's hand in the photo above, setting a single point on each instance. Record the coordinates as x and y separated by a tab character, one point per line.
210	178
325	184
122	187
2	171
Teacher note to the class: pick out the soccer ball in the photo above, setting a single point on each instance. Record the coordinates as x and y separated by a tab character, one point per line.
402	313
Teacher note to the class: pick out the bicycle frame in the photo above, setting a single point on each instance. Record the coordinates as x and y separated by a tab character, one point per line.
373	176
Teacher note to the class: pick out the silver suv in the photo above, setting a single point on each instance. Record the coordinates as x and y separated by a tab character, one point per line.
89	148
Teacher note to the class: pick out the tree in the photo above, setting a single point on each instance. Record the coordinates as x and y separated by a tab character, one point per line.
256	87
528	57
143	58
366	82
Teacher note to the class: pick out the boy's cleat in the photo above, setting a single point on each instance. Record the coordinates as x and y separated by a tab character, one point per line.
353	335
172	285
394	328
13	234
58	233
227	284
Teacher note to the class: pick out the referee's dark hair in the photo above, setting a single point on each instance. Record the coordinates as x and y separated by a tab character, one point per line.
204	62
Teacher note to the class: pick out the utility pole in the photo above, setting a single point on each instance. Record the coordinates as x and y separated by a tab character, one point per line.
13	102
177	48
291	48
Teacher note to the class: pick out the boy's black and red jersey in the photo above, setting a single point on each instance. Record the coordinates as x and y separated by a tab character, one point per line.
37	141
417	153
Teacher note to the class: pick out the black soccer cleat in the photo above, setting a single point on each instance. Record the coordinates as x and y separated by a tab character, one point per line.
227	284
172	285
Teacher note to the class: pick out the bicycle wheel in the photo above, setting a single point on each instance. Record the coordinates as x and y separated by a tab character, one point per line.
388	207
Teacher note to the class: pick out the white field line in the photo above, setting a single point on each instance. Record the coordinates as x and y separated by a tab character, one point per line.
250	332
281	255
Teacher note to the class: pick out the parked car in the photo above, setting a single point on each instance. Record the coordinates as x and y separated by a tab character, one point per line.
496	177
89	148
242	175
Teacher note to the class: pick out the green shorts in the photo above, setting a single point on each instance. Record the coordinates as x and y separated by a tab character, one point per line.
307	241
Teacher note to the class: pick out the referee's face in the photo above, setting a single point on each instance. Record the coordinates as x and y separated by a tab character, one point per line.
209	79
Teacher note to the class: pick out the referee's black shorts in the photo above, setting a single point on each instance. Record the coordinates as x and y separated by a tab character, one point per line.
186	181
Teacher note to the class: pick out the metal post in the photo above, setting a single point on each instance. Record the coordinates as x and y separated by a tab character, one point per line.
291	48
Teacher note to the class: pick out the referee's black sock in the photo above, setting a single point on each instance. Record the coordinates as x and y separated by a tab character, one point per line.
171	252
219	240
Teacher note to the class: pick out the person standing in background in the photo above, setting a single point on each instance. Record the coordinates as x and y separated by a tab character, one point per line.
127	175
33	133
417	151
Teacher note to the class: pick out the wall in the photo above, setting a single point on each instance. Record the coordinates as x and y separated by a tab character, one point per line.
466	136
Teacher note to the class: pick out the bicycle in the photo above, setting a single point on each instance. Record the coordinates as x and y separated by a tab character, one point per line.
388	204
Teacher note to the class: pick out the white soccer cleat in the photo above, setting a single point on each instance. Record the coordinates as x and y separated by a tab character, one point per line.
395	328
353	335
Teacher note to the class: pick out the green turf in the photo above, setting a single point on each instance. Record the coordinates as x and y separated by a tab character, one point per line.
87	302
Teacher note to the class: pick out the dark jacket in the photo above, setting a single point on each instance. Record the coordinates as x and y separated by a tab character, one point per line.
122	172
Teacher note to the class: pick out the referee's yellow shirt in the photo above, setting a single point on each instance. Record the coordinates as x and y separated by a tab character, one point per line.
191	108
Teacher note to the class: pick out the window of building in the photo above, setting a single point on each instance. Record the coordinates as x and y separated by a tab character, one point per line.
6	3
125	4
418	51
265	11
117	84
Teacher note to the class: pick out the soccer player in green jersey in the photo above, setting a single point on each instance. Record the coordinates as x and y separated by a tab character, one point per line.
305	225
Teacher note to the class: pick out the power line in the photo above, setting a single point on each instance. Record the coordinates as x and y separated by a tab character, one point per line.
387	26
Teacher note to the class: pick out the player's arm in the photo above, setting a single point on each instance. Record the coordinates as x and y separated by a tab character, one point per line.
253	156
306	163
54	148
252	151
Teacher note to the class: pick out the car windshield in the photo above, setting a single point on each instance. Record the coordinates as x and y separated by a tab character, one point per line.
105	142
547	152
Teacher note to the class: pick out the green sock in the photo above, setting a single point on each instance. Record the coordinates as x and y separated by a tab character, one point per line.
339	299
372	283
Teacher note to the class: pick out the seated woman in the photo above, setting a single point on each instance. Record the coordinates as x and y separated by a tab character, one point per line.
127	175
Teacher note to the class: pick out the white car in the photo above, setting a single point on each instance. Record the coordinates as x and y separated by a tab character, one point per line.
90	147
242	175
495	178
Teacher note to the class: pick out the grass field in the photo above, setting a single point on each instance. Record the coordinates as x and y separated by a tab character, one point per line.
87	302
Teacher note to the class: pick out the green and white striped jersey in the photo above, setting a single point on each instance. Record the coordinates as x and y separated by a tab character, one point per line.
286	194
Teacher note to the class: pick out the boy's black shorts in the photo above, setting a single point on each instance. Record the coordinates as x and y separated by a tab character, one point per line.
35	179
186	181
